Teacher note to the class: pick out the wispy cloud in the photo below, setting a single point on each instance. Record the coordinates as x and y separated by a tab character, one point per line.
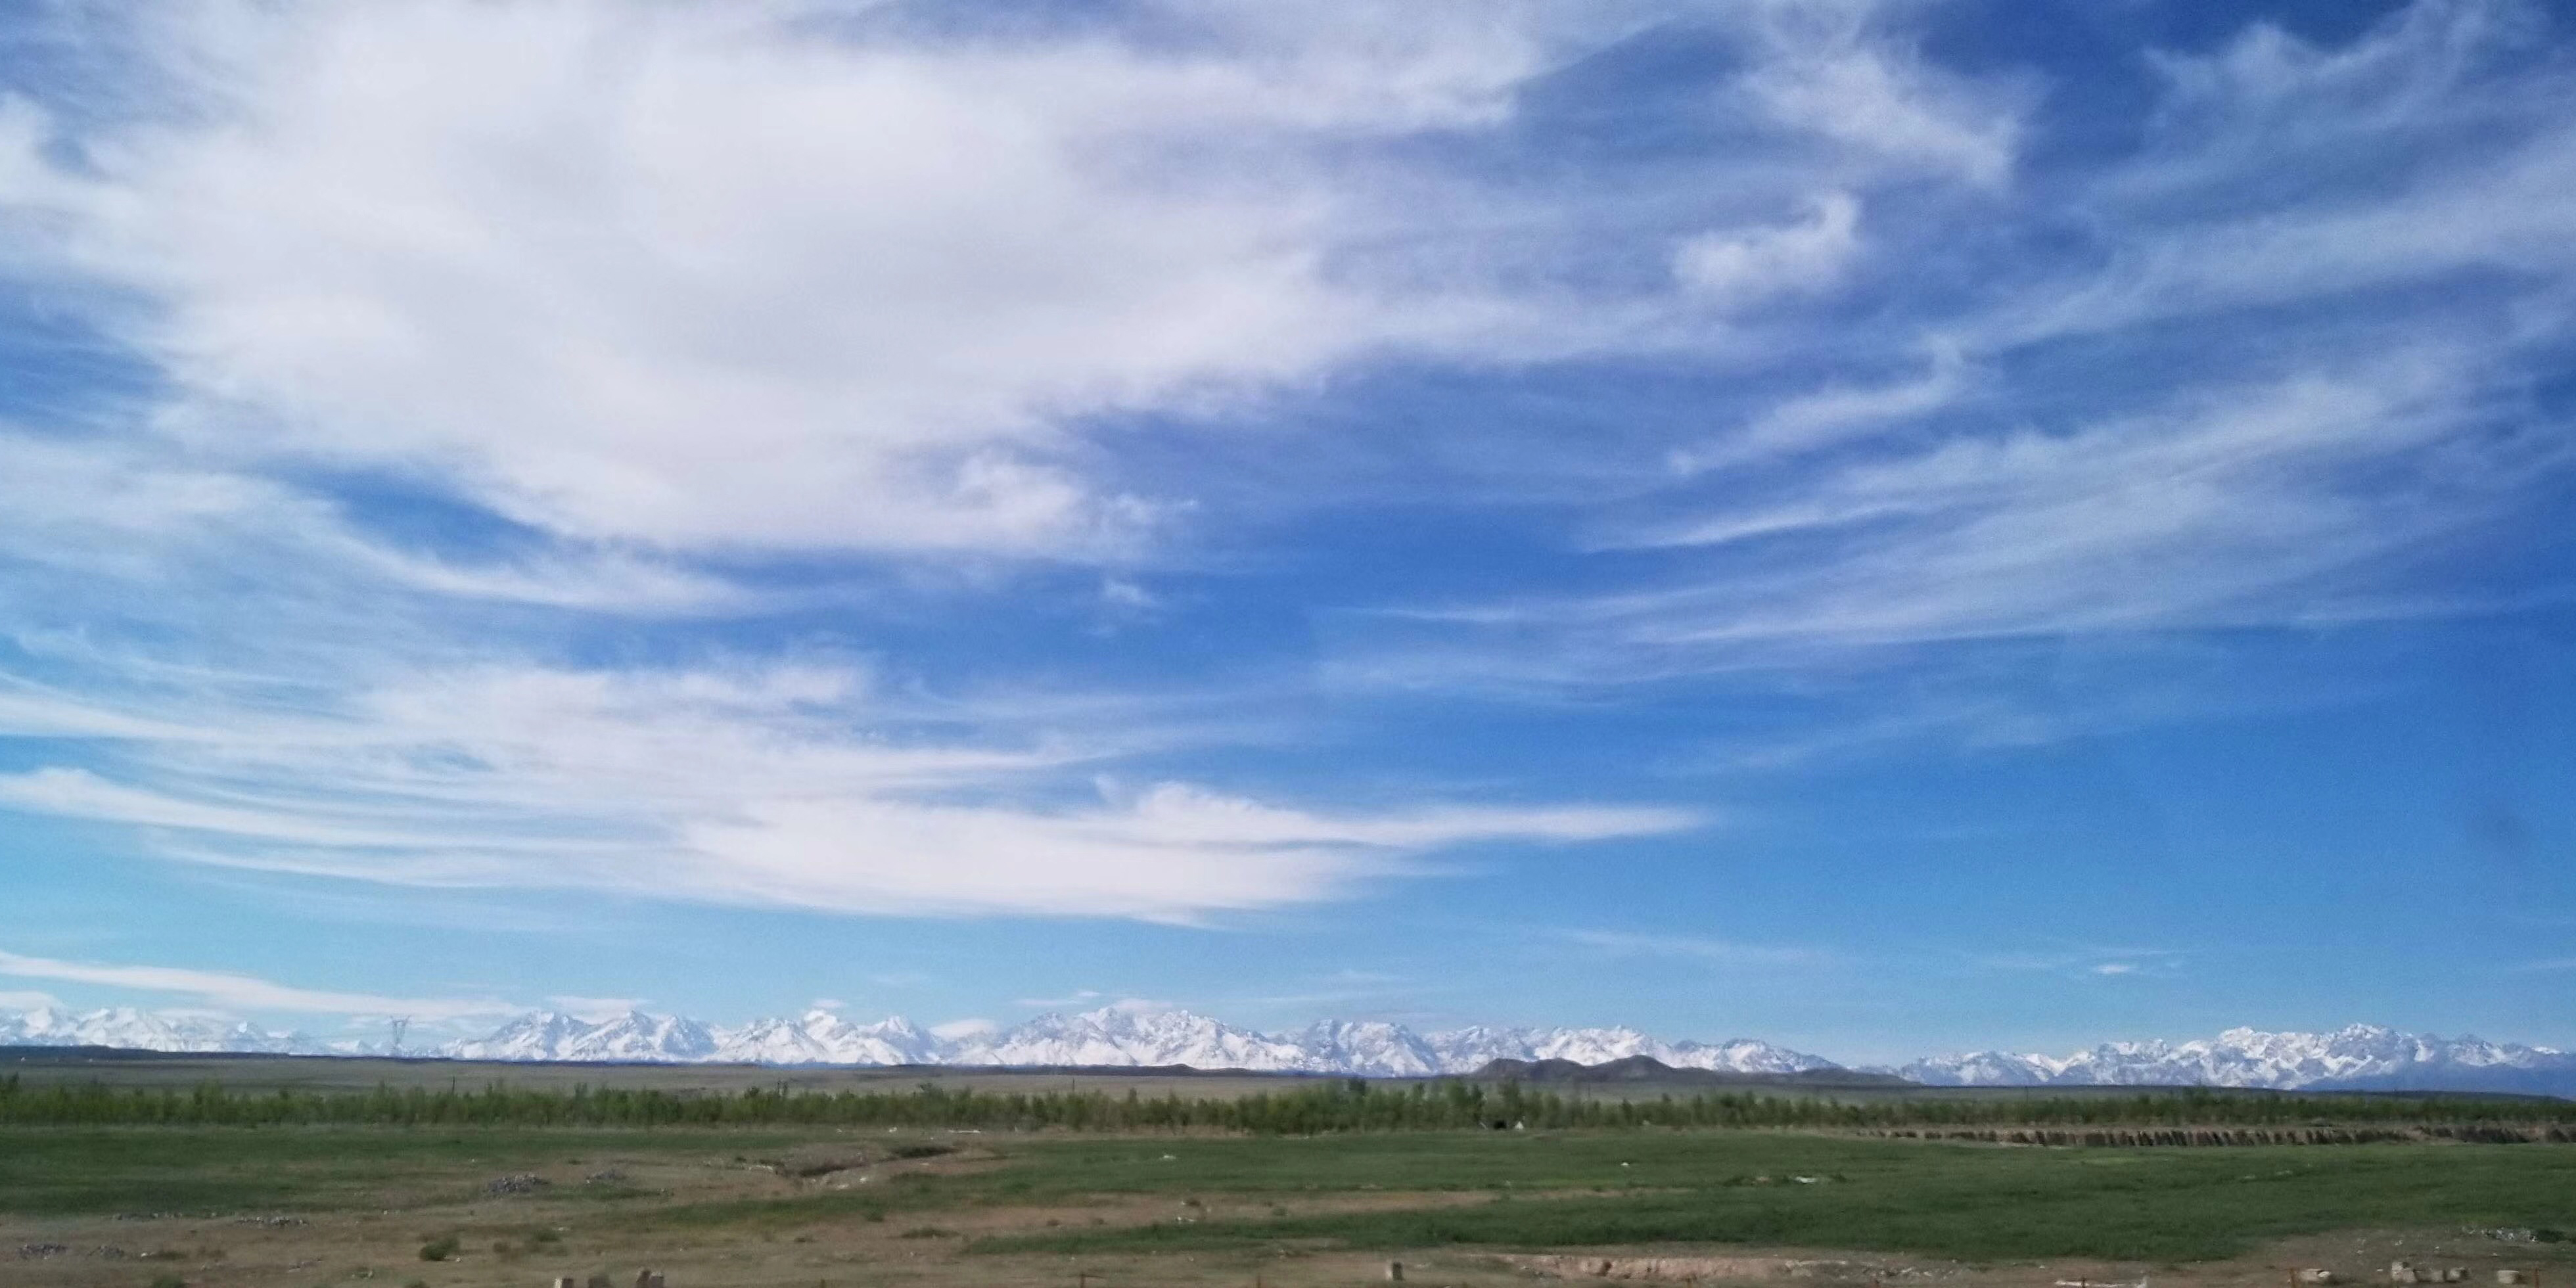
2016	489
2078	961
1623	943
245	992
1077	998
1831	72
1743	268
779	785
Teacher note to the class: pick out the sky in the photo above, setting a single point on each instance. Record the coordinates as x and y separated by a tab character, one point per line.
1886	526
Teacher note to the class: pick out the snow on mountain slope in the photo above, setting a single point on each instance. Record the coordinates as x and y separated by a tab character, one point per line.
1741	1055
538	1035
1370	1048
1123	1036
2359	1056
129	1029
820	1037
639	1038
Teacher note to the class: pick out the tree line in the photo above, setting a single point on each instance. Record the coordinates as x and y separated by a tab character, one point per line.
1352	1105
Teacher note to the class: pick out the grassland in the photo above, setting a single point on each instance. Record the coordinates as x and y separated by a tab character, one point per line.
778	1205
1018	1209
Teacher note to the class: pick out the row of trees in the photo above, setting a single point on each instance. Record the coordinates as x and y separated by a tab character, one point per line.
1329	1106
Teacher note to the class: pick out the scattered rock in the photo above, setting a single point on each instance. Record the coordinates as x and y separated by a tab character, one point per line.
2316	1275
523	1183
40	1251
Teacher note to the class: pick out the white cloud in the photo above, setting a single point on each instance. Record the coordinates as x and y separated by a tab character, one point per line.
25	1000
1828	73
2229	496
2451	164
101	505
244	992
715	275
775	785
2276	500
2098	961
1835	414
958	1030
1742	268
1076	998
2263	390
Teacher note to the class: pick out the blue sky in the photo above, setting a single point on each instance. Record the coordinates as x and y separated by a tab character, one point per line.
1888	527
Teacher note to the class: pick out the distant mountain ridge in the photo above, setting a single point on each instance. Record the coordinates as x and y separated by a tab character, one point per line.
1109	1037
2359	1057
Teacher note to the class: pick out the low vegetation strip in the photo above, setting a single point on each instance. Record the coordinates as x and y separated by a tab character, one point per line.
1332	1106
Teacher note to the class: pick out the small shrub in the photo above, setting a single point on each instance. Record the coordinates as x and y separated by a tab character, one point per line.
923	1150
440	1248
927	1232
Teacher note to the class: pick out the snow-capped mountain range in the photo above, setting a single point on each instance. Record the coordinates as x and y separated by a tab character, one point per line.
2358	1057
126	1028
1110	1036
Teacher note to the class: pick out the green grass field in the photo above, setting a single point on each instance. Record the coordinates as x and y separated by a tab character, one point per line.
1970	1202
1524	1190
